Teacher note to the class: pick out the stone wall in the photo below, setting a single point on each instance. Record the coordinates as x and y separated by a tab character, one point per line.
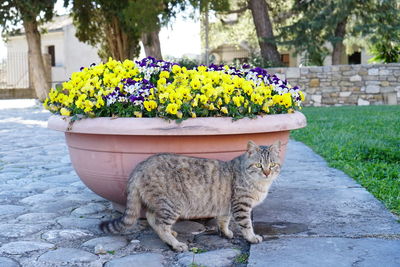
338	85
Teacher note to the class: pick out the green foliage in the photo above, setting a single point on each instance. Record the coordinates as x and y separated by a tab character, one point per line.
13	12
317	22
100	22
383	30
239	28
196	250
385	51
361	141
242	258
189	63
193	264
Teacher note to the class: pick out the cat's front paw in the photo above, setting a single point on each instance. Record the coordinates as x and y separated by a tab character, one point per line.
228	233
255	239
180	247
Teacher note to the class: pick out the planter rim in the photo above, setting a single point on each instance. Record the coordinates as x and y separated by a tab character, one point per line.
191	126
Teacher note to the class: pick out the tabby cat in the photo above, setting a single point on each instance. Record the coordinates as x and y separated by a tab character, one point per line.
171	186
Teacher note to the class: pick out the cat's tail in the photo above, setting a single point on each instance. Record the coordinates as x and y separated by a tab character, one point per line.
131	214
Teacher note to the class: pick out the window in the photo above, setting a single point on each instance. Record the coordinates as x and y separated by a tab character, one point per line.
51	51
355	58
285	59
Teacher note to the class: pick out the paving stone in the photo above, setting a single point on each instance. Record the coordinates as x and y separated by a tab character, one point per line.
61	190
189	227
212	240
58	205
65	234
89	209
36	217
7	262
60	179
39	186
215	258
21	247
138	260
82	223
152	241
4	176
79	184
37	199
11	209
67	256
108	243
85	198
20	230
329	252
346	211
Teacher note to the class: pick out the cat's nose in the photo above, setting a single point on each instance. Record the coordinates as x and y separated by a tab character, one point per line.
266	172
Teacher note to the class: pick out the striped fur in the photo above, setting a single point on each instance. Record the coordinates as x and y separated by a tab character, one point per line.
172	186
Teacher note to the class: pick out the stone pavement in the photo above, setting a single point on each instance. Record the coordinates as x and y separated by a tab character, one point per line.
314	215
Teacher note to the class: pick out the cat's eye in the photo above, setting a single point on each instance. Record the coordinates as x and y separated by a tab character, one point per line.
258	165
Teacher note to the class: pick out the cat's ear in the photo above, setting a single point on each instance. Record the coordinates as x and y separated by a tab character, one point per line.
252	147
275	147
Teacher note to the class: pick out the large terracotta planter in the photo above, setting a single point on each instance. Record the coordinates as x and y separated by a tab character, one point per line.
104	151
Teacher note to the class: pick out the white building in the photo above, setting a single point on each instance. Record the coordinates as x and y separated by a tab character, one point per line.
67	53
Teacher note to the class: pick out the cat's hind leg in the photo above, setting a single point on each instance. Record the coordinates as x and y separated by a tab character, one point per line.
223	224
162	226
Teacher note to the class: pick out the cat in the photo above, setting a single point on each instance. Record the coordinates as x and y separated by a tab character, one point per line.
173	186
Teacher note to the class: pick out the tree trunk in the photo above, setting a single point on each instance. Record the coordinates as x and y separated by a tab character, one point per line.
262	22
338	46
37	73
118	42
151	44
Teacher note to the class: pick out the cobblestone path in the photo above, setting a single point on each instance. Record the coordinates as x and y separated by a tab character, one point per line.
48	217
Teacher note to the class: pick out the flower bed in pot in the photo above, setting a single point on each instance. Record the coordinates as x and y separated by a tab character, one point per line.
117	114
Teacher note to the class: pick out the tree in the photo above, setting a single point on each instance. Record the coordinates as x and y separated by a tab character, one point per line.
31	13
117	27
148	21
383	32
320	21
102	23
263	24
262	13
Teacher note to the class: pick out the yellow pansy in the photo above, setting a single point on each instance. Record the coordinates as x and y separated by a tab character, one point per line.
238	100
176	68
172	108
138	114
164	74
287	100
150	105
195	84
301	95
224	110
161	82
278	99
257	98
65	112
202	68
128	64
88	105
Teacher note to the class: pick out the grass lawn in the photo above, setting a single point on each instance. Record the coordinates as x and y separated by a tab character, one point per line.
364	142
